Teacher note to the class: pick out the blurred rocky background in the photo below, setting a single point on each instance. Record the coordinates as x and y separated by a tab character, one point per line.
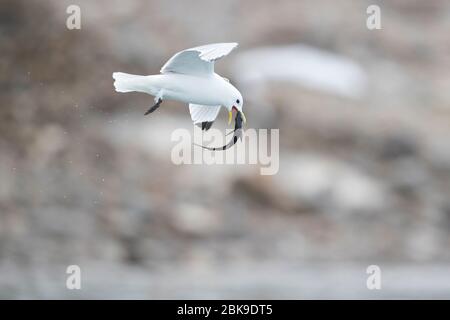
364	177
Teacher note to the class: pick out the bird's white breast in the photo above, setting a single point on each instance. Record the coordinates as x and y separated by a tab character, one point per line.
211	90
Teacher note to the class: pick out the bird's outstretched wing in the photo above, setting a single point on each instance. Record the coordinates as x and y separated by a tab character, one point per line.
198	60
203	116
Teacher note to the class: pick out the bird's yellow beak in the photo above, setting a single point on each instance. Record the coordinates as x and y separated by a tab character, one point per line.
230	116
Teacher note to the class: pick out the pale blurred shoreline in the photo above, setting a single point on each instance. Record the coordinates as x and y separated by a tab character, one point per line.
338	280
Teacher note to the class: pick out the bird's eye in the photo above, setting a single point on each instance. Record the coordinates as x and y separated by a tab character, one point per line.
237	101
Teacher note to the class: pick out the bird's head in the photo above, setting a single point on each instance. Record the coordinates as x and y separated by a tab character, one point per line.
235	103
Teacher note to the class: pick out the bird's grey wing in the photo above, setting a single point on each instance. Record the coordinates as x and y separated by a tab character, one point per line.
203	116
198	60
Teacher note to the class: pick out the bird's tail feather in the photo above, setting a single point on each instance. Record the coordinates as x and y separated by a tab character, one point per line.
125	82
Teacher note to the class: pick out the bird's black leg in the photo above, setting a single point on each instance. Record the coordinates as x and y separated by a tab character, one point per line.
156	106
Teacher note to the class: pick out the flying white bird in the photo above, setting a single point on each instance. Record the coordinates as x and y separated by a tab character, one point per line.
189	77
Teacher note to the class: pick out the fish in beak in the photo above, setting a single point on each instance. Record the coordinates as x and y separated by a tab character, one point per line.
237	132
230	115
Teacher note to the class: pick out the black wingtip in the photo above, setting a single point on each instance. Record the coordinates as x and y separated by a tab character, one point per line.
205	125
237	133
